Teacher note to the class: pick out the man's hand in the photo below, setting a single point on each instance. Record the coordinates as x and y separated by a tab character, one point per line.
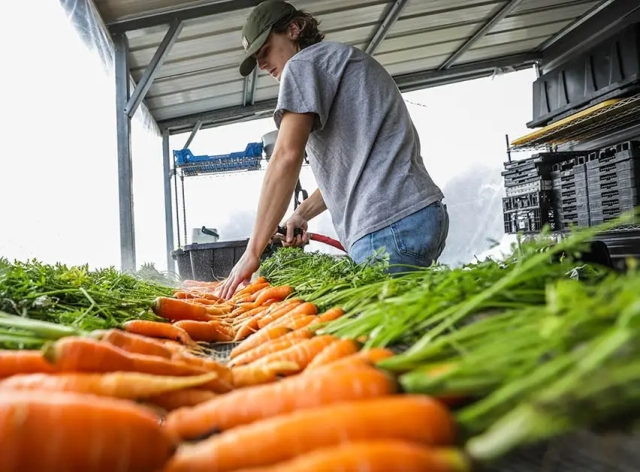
296	222
241	272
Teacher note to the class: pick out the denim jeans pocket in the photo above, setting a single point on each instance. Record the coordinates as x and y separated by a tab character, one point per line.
421	235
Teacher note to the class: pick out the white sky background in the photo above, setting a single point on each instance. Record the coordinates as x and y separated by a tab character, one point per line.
58	178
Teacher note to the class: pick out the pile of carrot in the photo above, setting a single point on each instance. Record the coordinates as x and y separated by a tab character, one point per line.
148	398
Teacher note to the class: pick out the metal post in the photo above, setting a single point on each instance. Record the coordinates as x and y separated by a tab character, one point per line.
194	131
175	188
125	173
184	209
168	213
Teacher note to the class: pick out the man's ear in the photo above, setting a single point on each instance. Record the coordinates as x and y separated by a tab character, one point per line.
294	31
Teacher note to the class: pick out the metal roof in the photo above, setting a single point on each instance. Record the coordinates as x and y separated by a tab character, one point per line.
187	52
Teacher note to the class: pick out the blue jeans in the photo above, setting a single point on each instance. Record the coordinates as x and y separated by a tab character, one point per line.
415	241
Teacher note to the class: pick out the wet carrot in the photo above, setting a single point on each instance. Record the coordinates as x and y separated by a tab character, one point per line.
364	357
374	456
207	331
135	343
334	351
299	321
330	315
23	362
130	385
249	375
203	301
279	293
176	399
257	339
251	287
279	311
283	342
74	354
155	329
173	309
247	405
77	433
250	325
304	308
412	418
302	353
225	376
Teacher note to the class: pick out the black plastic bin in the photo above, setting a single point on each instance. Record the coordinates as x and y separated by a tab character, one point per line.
209	261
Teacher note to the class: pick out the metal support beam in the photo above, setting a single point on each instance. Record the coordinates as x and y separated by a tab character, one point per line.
603	20
406	83
470	71
250	85
181	13
392	16
125	174
153	68
168	212
478	35
194	131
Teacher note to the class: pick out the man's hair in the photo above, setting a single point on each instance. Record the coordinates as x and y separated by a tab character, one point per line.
307	24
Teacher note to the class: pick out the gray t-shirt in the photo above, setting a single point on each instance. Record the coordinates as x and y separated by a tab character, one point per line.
364	150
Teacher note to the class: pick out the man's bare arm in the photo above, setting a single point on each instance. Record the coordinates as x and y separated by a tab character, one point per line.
311	207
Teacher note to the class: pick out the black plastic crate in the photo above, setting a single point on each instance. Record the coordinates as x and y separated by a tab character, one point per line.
538	185
609	69
527	201
209	261
529	221
630	194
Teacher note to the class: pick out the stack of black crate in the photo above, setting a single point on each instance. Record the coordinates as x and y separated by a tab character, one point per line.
613	181
570	192
528	205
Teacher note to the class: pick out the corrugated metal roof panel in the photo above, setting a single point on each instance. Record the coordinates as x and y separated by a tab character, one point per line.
200	72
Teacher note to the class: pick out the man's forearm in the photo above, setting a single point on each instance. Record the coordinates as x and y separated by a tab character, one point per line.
312	206
277	190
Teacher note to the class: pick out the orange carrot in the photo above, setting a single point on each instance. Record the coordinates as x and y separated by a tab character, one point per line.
364	357
302	353
119	385
334	351
330	315
249	326
283	342
279	293
91	433
412	418
23	362
257	339
155	329
203	301
75	354
225	376
135	343
207	331
251	404
176	399
374	456
248	375
303	309
279	310
173	309
251	287
297	322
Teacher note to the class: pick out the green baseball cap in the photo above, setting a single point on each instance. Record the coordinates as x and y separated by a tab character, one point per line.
257	28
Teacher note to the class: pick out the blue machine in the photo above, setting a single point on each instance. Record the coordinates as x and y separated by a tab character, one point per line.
249	159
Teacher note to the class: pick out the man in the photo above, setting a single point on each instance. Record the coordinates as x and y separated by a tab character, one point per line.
342	106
